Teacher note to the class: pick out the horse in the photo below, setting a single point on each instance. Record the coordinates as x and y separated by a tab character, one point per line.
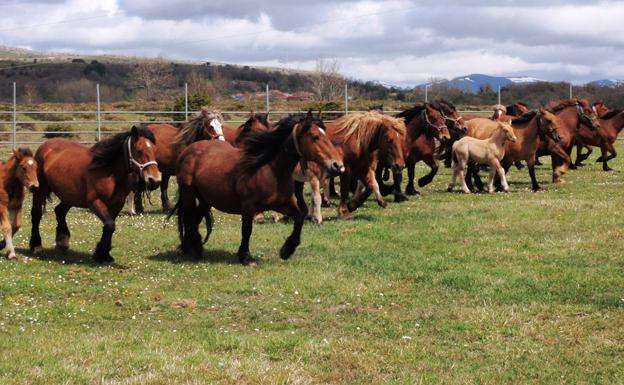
611	123
483	151
425	124
16	174
573	114
206	124
365	139
97	178
528	128
517	109
456	124
499	112
247	180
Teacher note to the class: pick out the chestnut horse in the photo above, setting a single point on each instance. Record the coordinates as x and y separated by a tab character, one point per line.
611	123
19	172
366	138
206	124
425	124
529	129
573	114
96	178
247	180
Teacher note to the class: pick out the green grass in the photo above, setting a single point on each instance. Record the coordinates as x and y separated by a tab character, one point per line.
517	288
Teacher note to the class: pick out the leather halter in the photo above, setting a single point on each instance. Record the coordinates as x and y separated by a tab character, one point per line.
583	118
425	117
132	161
551	131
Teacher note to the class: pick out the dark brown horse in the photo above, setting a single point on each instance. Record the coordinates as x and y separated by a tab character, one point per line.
573	114
365	139
425	125
95	178
18	173
247	180
206	124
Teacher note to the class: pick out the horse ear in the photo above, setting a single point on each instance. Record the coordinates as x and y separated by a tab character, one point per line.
252	114
309	115
319	116
17	154
134	131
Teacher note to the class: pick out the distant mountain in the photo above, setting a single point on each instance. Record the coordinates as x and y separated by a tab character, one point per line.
474	82
606	83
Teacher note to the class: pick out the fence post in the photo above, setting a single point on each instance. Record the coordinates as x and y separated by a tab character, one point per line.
499	95
346	98
14	115
186	106
426	93
267	99
98	115
570	89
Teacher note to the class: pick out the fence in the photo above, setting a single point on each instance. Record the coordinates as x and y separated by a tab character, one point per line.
105	122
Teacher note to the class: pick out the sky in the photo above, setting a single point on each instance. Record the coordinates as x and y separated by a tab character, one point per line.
401	42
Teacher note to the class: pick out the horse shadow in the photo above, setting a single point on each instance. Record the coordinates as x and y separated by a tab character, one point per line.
69	257
208	256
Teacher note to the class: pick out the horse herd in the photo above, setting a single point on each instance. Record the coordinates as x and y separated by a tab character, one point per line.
262	166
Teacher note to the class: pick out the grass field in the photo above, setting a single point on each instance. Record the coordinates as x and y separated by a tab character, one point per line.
517	288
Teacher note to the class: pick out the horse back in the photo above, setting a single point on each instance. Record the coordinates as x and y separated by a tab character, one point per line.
165	135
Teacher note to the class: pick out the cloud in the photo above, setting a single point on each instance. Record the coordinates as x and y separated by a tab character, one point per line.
400	41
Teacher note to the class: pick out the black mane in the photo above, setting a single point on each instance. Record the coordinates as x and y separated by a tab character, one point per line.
25	151
262	147
524	118
106	152
611	114
438	104
411	113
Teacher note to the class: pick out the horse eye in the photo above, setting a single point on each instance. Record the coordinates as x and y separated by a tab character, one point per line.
316	138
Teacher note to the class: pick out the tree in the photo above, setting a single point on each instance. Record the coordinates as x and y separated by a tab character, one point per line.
328	83
152	76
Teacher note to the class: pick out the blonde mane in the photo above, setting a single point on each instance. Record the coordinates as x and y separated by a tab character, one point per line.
191	131
366	125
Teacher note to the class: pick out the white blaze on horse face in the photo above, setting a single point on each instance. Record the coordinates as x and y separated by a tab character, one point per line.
322	131
148	144
216	125
30	162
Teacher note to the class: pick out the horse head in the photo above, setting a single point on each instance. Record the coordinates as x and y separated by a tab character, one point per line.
142	156
391	137
507	131
451	115
435	123
548	124
601	108
312	144
26	168
587	114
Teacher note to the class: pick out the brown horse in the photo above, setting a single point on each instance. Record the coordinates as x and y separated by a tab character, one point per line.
529	129
19	172
573	114
517	109
365	139
611	123
248	180
425	124
95	178
206	124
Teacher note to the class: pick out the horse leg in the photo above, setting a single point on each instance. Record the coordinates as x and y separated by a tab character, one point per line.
5	226
15	217
605	158
448	155
461	166
381	175
372	183
164	196
345	188
130	209
300	198
502	174
189	218
62	231
294	239
315	210
332	188
409	189
36	212
535	186
433	165
246	227
324	183
518	165
490	184
102	250
398	194
453	179
138	197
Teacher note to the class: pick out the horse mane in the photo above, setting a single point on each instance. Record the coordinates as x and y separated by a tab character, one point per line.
611	114
191	131
262	147
570	103
366	125
411	113
24	151
440	102
524	118
108	151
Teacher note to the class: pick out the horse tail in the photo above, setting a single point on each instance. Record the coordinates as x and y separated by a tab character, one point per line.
43	183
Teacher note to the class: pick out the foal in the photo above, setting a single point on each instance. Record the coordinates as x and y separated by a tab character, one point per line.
19	172
483	151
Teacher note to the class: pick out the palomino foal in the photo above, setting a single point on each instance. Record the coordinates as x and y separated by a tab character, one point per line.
483	151
19	172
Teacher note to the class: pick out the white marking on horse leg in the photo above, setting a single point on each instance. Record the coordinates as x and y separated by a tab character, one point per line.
130	209
378	196
453	179
8	236
315	209
503	178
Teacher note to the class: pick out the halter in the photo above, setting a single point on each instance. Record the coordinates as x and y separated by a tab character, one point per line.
549	132
302	161
132	161
589	120
428	122
454	120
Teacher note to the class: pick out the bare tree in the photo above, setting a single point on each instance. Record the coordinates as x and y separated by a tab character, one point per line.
30	93
328	82
152	76
199	84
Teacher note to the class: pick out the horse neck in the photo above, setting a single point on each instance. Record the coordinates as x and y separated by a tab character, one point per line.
415	128
499	138
570	118
529	130
283	165
616	123
10	182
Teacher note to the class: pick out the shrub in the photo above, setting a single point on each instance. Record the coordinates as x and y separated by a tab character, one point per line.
195	102
58	131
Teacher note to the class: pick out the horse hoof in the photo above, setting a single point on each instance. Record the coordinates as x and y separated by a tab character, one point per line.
316	221
62	249
105	259
398	198
248	261
539	189
410	190
287	250
449	189
11	256
345	216
36	249
382	204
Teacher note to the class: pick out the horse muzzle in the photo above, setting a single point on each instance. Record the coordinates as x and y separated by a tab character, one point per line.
396	167
334	167
152	183
33	187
